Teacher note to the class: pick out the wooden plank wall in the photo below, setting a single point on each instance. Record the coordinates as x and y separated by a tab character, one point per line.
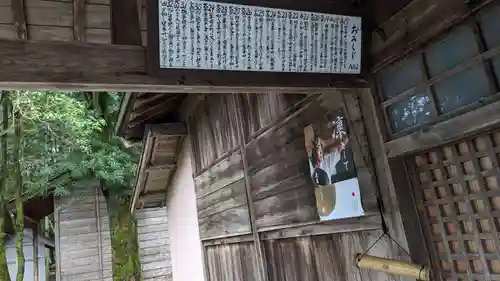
80	234
64	20
294	244
240	258
154	246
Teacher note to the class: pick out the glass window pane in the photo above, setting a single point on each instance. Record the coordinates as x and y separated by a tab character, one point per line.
490	22
400	77
410	112
461	89
457	47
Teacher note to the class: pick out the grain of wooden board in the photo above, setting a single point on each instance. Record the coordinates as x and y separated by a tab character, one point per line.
230	196
152	228
154	236
231	221
7	31
316	257
418	22
226	172
293	206
154	243
151	221
369	222
6	15
240	258
49	13
162	255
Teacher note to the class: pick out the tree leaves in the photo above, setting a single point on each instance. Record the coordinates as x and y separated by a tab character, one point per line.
65	134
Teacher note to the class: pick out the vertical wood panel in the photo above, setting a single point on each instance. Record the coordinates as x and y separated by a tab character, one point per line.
325	257
154	244
233	262
79	20
79	235
19	12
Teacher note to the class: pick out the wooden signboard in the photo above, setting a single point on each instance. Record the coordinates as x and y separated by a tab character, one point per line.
211	43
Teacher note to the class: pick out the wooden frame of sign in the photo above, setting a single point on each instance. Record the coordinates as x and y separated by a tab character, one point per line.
329	71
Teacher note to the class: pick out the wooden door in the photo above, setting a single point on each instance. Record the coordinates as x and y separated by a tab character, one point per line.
457	192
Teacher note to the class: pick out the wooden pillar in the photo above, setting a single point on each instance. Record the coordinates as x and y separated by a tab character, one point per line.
99	234
57	240
261	261
36	273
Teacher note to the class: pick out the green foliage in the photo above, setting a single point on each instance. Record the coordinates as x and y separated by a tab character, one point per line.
63	138
67	138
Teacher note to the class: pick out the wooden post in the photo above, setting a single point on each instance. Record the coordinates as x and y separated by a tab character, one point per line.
36	273
98	227
256	238
57	240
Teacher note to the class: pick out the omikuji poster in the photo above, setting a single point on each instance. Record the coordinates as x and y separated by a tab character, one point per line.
332	168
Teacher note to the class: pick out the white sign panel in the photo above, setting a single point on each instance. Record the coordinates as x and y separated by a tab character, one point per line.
218	36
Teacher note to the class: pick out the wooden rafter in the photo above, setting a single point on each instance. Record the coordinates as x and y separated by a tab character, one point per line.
152	112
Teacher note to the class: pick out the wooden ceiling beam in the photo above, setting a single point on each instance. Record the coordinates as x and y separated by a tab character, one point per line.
152	98
66	66
151	113
147	106
155	168
168	129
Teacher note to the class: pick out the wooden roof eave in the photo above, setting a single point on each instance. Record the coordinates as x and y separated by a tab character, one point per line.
151	135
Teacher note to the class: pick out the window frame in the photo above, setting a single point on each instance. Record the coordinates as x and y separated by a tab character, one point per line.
484	58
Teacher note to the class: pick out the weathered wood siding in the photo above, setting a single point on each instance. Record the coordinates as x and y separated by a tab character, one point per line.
281	187
83	241
64	20
232	262
324	257
279	210
154	246
278	165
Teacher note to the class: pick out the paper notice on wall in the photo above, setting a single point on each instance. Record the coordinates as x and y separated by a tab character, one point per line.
219	36
332	169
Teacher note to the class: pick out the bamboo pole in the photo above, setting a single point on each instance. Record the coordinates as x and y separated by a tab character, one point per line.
393	267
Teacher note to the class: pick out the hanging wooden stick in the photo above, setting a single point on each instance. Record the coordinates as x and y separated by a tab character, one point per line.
393	267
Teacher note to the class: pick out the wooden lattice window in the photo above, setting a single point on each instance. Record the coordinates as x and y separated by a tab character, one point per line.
457	192
456	73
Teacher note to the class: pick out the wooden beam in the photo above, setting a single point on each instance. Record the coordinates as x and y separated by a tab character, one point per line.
98	228
140	178
137	117
168	129
66	66
79	20
261	261
189	105
57	234
364	223
125	28
19	13
36	273
143	103
447	131
153	168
